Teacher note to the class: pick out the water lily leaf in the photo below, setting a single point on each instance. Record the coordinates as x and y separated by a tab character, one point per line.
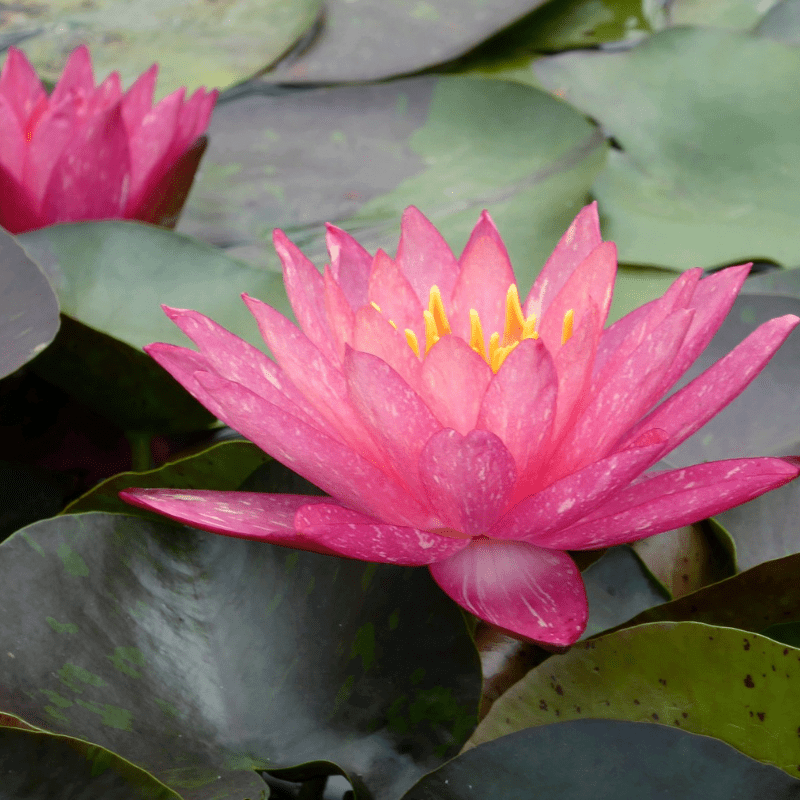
786	632
370	39
717	681
730	14
195	44
224	467
112	276
704	177
616	761
202	658
358	155
781	22
28	307
765	595
39	766
618	587
119	382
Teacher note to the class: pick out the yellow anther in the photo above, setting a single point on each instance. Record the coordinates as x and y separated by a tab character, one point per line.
436	308
500	355
375	306
476	334
411	338
515	322
529	328
566	330
431	333
393	324
494	345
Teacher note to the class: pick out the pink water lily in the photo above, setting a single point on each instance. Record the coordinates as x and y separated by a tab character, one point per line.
457	427
89	152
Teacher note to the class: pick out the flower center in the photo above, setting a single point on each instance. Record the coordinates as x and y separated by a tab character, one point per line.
517	327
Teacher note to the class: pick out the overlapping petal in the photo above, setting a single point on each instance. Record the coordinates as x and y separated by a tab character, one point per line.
484	459
91	152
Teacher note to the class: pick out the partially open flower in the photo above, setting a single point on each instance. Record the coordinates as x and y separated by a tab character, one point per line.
455	426
89	152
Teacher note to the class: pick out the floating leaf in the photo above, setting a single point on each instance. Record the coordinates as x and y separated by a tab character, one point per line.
203	658
717	681
604	760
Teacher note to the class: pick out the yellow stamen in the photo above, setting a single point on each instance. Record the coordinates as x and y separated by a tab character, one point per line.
393	324
476	334
500	356
566	330
529	328
436	308
375	306
431	334
494	346
515	322
411	338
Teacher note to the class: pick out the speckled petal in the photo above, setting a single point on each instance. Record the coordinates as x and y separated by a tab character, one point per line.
244	515
395	297
351	534
530	592
350	265
668	500
468	479
569	499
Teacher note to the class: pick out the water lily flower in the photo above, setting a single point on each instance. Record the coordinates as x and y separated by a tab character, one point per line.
456	426
89	152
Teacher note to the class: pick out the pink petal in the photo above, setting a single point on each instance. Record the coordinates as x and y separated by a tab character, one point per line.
245	515
334	467
713	298
397	418
393	294
626	395
340	316
90	179
17	209
20	85
306	291
424	257
589	287
233	358
350	265
625	335
468	479
105	95
569	499
12	135
526	590
373	334
351	534
692	406
319	381
519	405
454	381
77	77
483	282
184	365
138	100
668	500
582	236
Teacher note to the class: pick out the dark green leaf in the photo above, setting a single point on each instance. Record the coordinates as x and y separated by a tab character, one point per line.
786	632
203	657
593	759
39	766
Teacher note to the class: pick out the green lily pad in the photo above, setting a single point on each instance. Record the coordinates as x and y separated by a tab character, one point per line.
729	14
729	684
195	44
593	759
786	632
223	467
709	167
366	40
203	658
113	276
753	600
28	307
358	155
40	766
781	22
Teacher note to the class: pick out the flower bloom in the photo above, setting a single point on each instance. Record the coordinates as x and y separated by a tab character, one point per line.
94	153
457	427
